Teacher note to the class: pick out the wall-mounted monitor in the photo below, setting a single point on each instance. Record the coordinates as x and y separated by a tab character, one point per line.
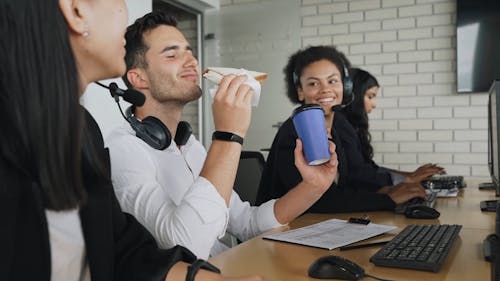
478	44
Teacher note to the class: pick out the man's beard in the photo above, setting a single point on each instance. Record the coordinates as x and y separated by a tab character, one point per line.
175	94
194	93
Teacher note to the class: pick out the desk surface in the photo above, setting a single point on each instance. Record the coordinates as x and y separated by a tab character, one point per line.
288	262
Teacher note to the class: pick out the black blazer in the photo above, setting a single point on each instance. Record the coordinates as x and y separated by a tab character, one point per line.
280	175
362	173
117	246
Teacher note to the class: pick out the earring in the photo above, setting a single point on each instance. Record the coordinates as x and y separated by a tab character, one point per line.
85	32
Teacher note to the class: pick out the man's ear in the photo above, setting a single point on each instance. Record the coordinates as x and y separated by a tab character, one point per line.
138	78
72	12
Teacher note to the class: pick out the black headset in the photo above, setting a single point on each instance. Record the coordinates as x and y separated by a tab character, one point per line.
153	132
347	84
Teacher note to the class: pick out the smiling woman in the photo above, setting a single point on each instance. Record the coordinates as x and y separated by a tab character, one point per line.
314	75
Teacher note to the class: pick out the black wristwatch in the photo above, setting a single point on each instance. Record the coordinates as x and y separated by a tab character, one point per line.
227	136
195	266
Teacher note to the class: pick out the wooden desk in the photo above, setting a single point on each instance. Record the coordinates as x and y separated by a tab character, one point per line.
288	262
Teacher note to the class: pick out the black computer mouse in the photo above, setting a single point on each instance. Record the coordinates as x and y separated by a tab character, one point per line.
421	212
335	267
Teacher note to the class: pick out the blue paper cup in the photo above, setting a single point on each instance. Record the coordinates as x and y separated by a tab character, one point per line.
309	122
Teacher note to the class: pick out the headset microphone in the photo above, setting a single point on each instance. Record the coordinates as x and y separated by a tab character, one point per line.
132	96
339	107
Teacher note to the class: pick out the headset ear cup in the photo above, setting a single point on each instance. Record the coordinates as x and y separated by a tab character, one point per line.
158	134
184	131
347	94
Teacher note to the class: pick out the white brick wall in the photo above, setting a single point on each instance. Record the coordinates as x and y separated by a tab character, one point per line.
441	158
416	146
461	147
415	125
410	46
190	113
416	10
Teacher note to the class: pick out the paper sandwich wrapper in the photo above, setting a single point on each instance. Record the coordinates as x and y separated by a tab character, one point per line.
255	79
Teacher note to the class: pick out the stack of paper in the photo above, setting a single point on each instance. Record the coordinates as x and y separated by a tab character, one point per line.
330	234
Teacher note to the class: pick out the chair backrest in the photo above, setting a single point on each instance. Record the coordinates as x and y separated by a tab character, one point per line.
248	175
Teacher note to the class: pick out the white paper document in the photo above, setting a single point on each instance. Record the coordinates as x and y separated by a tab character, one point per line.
330	234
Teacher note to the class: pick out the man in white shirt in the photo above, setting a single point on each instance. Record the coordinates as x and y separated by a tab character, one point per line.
182	194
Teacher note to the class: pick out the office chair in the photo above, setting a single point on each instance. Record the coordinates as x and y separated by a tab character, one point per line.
246	184
248	175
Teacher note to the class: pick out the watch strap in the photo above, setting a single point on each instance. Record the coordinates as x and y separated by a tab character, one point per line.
227	136
196	265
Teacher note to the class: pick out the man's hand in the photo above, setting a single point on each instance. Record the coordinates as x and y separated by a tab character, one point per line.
321	176
232	105
316	180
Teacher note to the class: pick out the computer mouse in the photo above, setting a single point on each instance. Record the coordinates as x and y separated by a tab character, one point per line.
421	212
335	267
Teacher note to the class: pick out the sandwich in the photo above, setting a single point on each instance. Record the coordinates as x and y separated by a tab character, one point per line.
215	74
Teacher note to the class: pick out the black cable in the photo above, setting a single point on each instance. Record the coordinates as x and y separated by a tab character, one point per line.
376	278
101	84
121	111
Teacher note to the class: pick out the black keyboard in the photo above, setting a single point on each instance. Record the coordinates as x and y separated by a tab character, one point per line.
429	202
444	182
420	247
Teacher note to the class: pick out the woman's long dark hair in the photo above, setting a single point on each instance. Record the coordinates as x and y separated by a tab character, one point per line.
41	119
355	112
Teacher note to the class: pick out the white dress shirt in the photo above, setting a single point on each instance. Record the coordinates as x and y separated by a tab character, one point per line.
164	191
67	246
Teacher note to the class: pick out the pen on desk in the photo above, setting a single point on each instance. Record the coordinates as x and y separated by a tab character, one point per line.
343	248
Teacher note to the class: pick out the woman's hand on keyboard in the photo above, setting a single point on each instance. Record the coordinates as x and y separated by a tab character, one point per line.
423	172
404	191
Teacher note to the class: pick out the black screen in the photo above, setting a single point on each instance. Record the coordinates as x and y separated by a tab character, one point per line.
493	133
478	44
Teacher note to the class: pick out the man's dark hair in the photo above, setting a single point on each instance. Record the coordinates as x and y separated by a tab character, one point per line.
302	58
136	47
355	112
